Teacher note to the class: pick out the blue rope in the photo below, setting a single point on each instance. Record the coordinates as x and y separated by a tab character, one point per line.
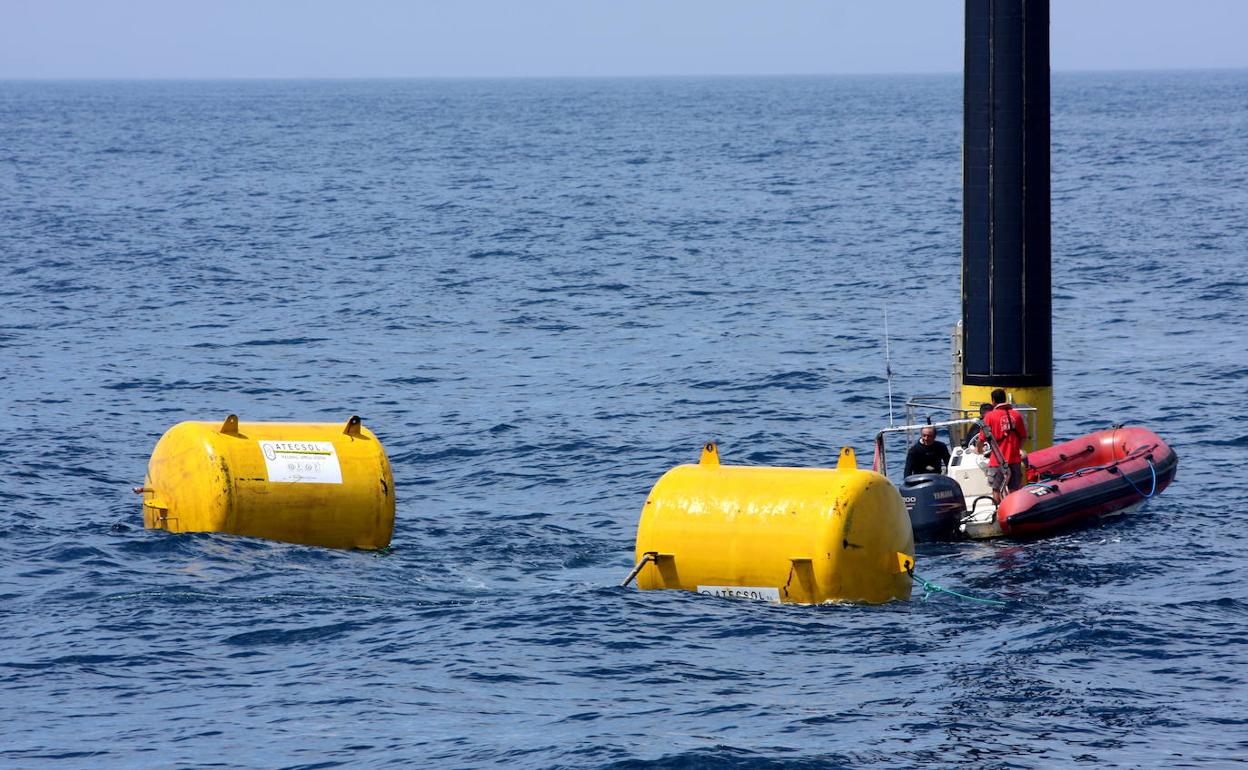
929	588
1151	492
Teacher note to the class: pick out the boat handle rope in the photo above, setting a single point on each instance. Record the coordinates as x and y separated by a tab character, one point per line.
1142	450
930	588
1112	468
1062	458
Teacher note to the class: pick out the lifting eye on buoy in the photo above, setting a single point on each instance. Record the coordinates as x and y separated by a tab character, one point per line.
848	461
353	426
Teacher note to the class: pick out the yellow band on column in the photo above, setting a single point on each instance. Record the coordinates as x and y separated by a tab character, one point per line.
1041	398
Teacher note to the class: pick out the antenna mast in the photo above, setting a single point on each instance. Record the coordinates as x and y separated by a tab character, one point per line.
888	369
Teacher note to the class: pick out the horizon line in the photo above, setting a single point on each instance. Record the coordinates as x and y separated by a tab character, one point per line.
565	76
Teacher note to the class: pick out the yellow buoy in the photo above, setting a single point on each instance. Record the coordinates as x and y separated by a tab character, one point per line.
312	483
805	535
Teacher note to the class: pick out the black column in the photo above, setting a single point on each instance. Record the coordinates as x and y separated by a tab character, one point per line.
1006	297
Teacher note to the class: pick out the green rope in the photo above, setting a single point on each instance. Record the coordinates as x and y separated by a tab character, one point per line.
929	588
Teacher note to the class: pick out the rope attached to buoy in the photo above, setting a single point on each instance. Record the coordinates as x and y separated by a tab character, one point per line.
929	588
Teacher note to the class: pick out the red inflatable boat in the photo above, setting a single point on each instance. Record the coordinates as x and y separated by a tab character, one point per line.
1097	474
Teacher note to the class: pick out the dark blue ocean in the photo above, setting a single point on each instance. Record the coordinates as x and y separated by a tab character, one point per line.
542	294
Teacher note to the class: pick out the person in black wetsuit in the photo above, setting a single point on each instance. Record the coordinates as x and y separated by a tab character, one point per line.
928	455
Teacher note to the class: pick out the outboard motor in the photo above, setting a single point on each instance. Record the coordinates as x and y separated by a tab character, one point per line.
935	504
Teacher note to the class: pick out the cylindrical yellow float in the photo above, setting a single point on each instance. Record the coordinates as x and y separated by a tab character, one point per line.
804	535
312	483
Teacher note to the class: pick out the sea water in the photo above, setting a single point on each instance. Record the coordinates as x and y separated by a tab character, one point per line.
542	294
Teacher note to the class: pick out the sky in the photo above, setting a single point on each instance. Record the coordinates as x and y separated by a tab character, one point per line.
502	38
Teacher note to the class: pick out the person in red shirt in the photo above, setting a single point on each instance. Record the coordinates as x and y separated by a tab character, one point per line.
1009	431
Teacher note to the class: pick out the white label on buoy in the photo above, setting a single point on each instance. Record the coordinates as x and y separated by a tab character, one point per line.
309	462
742	592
